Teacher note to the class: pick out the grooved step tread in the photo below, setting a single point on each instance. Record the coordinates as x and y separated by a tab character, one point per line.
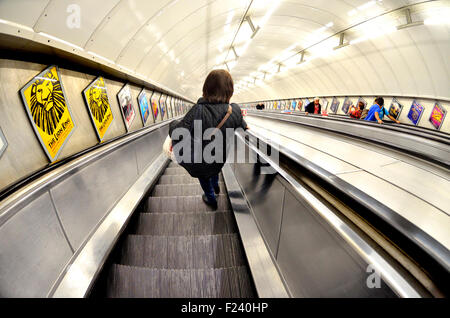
184	204
175	171
183	252
163	190
180	179
131	281
182	224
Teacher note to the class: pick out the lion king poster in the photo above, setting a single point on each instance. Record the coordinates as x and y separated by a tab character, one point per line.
97	101
48	111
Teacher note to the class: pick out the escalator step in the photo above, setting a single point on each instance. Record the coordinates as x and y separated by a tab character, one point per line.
163	190
184	204
130	281
180	179
175	171
182	252
182	224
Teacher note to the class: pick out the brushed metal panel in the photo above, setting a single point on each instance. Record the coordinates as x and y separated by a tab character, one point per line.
149	147
265	195
316	261
33	250
84	198
423	215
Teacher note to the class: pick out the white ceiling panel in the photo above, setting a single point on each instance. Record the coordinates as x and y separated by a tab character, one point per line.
177	42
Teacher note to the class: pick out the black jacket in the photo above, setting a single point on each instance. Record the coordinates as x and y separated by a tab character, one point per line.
212	115
310	108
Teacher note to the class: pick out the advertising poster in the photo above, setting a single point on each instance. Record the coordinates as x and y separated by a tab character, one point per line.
144	107
346	106
3	143
275	105
334	105
169	107
300	105
416	112
294	105
306	102
154	100
126	107
395	109
96	98
324	103
163	106
362	100
45	103
437	116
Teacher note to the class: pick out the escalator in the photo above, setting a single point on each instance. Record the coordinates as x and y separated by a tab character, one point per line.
177	247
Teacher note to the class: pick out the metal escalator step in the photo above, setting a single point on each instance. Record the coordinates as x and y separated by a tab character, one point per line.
173	165
184	204
180	179
163	190
130	281
175	171
183	224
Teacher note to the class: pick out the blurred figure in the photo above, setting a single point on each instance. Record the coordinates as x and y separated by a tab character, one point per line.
356	112
314	107
377	112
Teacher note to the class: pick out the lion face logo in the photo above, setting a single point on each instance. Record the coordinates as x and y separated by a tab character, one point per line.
47	103
98	102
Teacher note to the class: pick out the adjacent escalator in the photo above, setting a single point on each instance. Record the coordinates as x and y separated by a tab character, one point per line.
177	247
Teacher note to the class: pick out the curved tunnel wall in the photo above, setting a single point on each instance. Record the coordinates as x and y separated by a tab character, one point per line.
24	154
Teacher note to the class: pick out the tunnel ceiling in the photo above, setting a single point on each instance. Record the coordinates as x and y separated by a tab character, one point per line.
175	43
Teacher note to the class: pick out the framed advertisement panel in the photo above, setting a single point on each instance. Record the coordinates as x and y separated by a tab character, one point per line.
437	116
300	105
395	109
306	102
294	105
3	143
144	106
154	102
45	102
163	106
334	105
96	98
415	112
325	104
346	105
126	106
170	106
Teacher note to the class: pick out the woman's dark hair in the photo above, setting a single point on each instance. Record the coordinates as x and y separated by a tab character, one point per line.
361	105
379	101
218	87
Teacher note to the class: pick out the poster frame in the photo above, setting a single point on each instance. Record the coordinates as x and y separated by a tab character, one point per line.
394	99
5	142
335	101
27	110
348	101
121	108
420	116
143	91
436	105
89	109
162	98
151	105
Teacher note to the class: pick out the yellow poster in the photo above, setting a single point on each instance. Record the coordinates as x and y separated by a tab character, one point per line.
98	104
46	106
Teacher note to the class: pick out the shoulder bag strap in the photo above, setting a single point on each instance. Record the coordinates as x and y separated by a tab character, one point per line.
224	120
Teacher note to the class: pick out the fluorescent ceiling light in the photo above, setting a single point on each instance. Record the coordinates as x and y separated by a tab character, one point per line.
125	68
101	57
269	12
373	33
16	25
61	41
